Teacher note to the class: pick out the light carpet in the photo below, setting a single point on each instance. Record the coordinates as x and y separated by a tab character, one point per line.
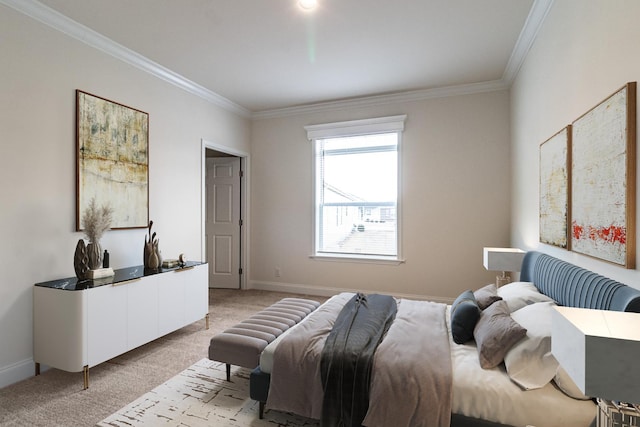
201	396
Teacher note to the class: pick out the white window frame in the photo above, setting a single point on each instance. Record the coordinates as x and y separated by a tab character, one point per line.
350	128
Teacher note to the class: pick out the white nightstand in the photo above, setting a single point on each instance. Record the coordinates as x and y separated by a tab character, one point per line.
598	349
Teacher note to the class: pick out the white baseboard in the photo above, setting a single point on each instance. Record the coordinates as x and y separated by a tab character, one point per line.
328	291
16	372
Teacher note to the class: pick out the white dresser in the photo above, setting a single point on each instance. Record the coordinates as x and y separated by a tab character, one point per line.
80	324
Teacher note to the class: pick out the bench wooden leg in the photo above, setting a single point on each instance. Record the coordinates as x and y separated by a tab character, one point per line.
261	411
228	372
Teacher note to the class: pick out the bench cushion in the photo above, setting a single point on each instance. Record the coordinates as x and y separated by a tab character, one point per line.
235	349
242	344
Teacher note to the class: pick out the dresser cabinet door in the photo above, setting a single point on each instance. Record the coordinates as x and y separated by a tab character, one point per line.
59	328
142	311
170	303
196	286
106	323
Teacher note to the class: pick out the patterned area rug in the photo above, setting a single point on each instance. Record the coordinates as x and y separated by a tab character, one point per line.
201	396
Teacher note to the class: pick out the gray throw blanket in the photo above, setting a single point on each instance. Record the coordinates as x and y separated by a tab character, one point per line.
411	380
347	358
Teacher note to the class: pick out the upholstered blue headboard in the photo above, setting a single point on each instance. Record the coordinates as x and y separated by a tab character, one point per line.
574	286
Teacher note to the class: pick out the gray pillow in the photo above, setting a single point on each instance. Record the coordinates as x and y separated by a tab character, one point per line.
464	316
487	295
519	294
495	334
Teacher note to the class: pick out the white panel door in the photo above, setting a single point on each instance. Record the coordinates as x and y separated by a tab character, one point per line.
223	221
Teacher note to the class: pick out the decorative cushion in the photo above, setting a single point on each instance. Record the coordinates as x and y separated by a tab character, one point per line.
464	316
495	334
487	295
519	294
566	384
243	343
530	363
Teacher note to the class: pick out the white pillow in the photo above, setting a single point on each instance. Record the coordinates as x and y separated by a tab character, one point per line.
519	294
530	363
566	384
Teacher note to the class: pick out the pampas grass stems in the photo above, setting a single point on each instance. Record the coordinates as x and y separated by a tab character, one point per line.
96	220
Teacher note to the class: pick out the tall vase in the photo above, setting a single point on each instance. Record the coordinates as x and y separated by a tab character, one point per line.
81	260
94	250
148	247
153	260
156	249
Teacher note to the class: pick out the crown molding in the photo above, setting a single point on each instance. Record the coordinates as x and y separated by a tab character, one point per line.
68	26
537	15
371	101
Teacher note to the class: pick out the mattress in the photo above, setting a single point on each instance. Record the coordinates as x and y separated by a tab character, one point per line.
489	394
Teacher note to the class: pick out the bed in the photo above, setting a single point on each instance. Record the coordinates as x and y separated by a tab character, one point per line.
526	386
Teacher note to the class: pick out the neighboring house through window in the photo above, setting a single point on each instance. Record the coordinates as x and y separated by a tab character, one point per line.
356	188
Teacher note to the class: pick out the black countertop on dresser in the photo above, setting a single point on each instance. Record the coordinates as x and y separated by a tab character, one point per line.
121	275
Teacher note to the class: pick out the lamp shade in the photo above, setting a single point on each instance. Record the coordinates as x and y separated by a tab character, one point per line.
503	259
599	350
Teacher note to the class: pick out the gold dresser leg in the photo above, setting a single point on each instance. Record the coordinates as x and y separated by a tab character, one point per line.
85	374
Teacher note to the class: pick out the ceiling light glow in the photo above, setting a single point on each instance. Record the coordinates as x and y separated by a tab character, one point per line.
308	4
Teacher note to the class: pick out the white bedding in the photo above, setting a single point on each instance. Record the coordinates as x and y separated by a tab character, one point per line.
489	393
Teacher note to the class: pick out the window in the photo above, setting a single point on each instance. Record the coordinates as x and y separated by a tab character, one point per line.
356	188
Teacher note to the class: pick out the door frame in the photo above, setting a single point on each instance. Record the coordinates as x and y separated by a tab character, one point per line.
244	204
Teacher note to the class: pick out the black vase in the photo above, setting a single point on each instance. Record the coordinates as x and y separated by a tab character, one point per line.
81	260
94	250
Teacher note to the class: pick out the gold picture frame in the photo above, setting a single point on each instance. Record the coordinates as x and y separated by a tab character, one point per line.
555	187
112	167
603	179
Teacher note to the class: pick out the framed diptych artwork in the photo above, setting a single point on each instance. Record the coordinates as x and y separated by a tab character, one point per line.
112	160
554	189
603	179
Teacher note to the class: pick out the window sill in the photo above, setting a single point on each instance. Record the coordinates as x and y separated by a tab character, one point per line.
358	259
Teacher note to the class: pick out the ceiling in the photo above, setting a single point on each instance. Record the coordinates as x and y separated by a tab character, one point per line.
264	55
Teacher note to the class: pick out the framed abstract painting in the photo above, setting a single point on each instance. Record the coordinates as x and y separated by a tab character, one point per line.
112	160
603	179
554	189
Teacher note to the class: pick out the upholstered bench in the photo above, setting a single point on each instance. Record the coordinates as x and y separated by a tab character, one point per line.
242	344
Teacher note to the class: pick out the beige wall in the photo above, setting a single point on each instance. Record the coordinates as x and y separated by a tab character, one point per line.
455	192
585	51
41	69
